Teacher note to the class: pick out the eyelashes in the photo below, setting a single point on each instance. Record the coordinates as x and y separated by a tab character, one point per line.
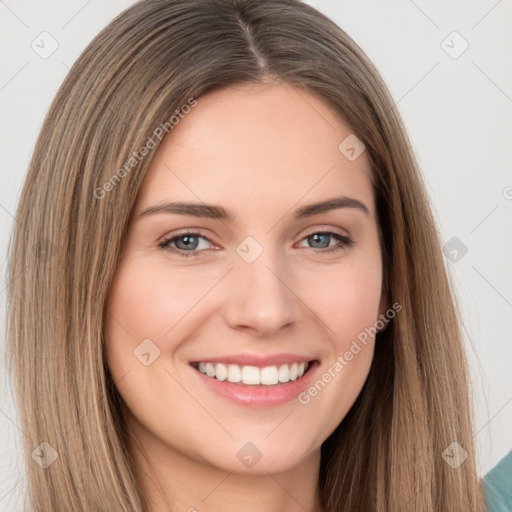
344	243
182	252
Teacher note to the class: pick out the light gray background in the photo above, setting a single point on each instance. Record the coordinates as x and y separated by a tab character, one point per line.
457	112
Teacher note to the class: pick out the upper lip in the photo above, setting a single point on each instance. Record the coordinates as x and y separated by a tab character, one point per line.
258	360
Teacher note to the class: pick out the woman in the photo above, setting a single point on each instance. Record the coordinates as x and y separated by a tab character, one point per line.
179	340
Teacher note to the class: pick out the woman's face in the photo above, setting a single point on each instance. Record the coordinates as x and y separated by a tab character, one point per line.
248	280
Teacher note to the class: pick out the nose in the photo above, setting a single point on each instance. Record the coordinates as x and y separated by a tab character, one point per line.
261	296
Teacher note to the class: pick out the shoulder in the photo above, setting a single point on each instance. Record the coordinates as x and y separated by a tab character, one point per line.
497	486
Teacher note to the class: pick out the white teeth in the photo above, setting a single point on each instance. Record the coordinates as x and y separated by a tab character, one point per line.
283	374
221	372
252	375
268	375
234	373
293	371
210	370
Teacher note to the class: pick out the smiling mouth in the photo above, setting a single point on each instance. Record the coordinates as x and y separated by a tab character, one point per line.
253	375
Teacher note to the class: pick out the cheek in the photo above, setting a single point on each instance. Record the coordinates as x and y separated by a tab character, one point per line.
147	301
144	303
348	300
134	313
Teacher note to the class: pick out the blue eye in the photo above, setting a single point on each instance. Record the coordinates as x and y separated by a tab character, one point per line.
319	237
187	244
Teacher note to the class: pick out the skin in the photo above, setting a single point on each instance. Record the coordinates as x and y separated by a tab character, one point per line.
260	151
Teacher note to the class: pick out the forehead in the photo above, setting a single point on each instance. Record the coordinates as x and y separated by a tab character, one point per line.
255	148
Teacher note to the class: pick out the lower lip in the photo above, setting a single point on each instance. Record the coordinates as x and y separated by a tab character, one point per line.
260	396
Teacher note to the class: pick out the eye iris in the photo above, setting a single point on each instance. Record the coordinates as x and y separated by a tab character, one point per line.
187	242
316	236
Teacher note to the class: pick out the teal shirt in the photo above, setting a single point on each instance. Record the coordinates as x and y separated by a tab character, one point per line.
497	486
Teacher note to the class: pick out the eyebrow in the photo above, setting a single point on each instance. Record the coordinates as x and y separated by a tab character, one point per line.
219	212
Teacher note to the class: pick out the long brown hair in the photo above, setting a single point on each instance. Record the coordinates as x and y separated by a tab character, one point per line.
72	220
